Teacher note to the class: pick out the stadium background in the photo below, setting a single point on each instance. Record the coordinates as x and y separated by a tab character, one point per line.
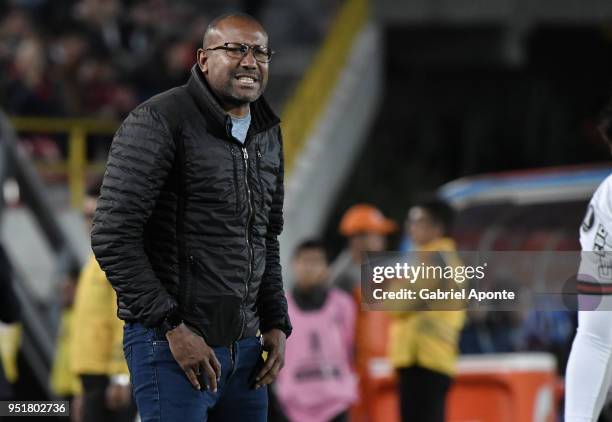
381	102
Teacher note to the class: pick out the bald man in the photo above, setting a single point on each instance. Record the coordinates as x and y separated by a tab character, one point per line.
187	229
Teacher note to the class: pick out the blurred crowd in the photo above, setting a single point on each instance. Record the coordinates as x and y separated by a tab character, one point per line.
100	58
97	58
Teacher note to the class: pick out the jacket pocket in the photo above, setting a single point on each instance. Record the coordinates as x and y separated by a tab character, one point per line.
220	319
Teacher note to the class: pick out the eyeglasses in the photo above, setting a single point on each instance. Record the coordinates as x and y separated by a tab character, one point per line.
238	50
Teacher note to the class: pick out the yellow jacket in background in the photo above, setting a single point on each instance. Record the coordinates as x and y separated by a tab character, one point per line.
63	381
428	339
97	347
10	341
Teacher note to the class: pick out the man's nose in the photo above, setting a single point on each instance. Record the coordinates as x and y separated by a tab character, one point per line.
248	60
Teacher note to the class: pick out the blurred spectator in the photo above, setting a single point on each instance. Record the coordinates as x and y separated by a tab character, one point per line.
168	69
15	27
63	382
68	53
317	383
103	94
31	90
97	346
423	345
366	229
497	332
490	332
550	331
10	342
112	33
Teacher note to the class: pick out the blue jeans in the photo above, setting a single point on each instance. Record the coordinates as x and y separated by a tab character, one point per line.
163	393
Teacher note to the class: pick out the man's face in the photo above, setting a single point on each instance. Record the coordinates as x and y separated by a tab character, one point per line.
421	227
310	267
234	80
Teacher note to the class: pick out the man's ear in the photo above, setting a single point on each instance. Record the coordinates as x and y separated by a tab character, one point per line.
202	60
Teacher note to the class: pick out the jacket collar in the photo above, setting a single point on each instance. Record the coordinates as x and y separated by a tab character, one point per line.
262	116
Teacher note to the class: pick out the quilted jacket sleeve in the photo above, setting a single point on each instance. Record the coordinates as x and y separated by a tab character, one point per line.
141	157
272	303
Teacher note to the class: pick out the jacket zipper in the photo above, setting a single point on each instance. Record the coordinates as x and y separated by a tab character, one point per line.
190	297
234	155
245	156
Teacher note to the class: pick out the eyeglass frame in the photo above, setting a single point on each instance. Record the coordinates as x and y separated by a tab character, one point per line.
250	47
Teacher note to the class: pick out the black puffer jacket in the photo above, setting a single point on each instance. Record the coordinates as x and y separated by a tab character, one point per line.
189	217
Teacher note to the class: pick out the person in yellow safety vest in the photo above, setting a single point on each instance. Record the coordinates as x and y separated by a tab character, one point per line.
97	346
423	345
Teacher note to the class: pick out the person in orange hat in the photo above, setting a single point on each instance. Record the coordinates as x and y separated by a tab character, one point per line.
366	229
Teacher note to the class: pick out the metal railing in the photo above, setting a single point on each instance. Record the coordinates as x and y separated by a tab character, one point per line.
77	129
